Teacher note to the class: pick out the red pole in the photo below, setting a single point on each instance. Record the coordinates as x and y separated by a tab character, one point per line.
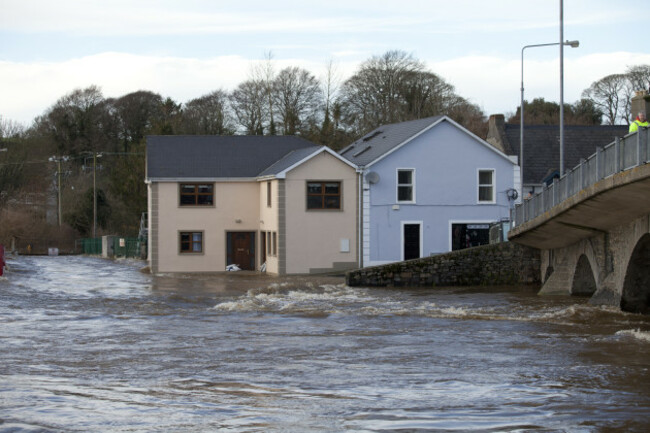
2	259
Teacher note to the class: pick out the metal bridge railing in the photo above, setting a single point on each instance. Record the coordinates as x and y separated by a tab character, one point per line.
623	154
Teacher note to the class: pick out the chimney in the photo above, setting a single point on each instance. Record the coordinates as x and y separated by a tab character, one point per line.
496	135
640	102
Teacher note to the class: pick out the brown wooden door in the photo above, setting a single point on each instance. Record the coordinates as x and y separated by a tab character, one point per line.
241	250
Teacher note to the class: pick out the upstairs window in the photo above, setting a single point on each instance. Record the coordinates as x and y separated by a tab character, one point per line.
268	194
197	194
486	186
405	185
323	195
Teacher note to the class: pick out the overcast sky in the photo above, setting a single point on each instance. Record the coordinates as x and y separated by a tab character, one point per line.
186	49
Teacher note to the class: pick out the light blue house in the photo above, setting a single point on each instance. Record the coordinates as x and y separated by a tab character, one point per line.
429	186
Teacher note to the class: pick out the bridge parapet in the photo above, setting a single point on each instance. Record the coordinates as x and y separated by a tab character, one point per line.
623	154
594	231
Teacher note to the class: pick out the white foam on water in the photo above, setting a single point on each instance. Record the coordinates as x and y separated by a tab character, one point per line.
305	298
283	297
636	333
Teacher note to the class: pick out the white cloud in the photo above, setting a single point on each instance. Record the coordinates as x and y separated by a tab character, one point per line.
494	83
28	89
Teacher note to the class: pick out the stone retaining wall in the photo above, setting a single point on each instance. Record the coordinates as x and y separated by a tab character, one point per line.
488	265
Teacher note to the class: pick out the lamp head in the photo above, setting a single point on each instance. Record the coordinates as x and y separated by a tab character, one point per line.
573	44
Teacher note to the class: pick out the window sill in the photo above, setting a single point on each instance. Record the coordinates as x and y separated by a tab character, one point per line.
193	206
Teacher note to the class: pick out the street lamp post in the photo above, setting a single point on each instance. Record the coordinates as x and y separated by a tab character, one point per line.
561	88
572	44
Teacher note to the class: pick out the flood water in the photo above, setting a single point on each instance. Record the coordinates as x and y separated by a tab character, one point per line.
91	345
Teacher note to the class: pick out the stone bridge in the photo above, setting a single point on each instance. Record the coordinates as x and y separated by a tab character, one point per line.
593	228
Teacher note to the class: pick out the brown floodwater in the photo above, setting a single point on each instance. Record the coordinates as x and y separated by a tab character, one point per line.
92	345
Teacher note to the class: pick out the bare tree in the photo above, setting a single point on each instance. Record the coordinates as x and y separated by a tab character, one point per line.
639	77
426	94
264	75
396	87
249	103
10	129
609	95
330	85
331	109
373	95
298	97
208	115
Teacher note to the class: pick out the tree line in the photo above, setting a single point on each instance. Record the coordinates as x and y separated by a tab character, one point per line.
605	101
388	88
612	94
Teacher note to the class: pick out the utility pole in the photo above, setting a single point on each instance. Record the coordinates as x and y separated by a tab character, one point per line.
94	195
58	160
95	156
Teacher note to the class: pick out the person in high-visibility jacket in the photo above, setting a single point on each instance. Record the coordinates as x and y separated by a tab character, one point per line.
639	121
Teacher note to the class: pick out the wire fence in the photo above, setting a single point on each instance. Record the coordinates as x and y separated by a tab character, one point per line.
623	154
114	246
127	247
89	246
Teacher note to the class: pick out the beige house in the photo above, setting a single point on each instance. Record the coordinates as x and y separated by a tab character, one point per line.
279	204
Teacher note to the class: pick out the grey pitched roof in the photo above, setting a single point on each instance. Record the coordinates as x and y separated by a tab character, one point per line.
214	156
289	160
542	146
383	139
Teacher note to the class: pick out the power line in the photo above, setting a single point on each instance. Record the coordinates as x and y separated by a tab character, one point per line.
76	157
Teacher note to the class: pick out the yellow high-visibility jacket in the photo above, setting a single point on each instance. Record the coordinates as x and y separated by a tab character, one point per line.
634	126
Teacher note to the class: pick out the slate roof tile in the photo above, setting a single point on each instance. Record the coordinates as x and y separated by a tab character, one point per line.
381	140
212	156
290	159
542	146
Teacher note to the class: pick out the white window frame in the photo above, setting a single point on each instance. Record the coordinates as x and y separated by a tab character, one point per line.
412	185
492	185
451	225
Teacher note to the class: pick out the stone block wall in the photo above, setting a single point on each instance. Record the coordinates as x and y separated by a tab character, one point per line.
488	265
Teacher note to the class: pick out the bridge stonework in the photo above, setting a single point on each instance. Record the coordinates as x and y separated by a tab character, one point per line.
597	242
602	266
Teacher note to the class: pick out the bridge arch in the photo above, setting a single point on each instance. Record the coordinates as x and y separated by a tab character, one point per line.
636	286
584	283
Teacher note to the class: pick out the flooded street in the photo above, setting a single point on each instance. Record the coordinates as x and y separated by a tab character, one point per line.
94	345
